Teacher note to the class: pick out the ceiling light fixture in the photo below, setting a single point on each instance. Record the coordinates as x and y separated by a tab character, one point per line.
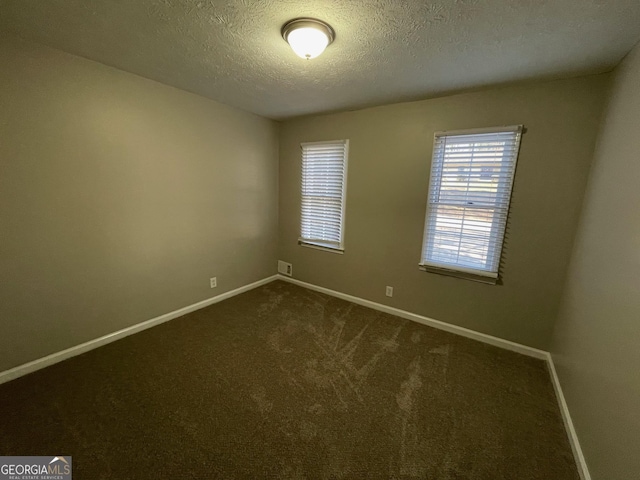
308	37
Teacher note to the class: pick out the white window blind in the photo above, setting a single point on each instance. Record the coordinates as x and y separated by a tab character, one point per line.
469	193
324	181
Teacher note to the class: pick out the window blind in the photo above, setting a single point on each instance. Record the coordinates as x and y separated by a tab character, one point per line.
469	194
324	172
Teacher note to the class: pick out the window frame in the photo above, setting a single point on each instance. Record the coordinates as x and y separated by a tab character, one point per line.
451	269
315	244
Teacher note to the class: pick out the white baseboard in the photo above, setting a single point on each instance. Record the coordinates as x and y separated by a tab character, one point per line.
465	332
568	423
43	362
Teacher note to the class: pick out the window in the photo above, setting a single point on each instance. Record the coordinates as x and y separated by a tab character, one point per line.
324	183
469	193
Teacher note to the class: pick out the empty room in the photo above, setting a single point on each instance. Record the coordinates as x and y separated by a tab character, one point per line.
330	239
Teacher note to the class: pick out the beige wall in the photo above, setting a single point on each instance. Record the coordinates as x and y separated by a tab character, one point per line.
390	155
596	345
119	198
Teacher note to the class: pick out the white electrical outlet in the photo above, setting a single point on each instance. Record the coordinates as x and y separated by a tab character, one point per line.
213	281
285	268
389	291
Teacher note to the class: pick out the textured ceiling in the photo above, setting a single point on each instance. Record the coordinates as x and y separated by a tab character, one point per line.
385	50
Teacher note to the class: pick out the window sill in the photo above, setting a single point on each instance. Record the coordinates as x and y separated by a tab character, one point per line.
459	274
324	248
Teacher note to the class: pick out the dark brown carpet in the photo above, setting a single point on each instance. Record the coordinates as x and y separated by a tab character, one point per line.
284	382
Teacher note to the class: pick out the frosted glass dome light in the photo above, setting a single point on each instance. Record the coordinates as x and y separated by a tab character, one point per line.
308	37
